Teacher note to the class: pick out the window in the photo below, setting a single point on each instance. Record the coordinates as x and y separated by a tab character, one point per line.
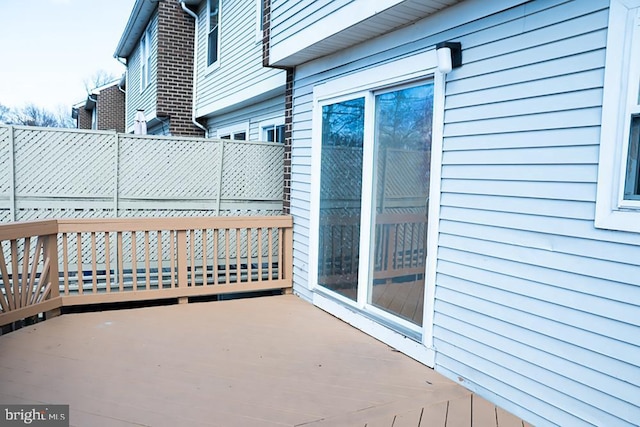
145	59
273	131
237	132
618	195
214	32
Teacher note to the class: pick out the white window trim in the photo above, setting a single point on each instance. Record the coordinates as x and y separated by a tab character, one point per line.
215	65
145	58
268	124
358	84
612	212
259	21
233	129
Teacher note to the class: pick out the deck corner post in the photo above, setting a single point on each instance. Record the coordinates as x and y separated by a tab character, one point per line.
288	255
51	252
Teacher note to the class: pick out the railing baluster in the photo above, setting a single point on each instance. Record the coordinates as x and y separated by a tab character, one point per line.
34	269
147	260
227	257
65	262
159	259
238	258
134	261
192	260
119	251
259	254
270	253
94	268
280	257
172	250
79	254
182	259
205	277
107	261
26	252
216	235
6	301
14	273
249	254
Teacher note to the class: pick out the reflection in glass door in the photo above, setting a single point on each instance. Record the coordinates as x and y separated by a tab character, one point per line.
403	122
340	196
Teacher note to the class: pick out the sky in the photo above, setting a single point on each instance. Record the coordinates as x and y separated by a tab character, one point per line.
49	48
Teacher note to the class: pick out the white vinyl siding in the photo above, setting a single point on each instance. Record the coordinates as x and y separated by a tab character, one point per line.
535	308
240	77
255	115
137	98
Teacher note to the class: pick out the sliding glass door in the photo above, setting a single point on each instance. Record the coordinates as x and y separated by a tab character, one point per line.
402	144
390	131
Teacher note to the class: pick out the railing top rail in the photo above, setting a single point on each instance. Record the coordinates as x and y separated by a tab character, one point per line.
28	228
183	223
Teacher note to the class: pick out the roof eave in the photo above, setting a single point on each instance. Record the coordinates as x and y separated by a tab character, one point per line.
139	18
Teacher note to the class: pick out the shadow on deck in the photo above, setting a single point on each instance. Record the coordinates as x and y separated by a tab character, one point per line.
268	361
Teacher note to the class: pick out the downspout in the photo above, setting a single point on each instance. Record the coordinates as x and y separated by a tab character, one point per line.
126	76
195	68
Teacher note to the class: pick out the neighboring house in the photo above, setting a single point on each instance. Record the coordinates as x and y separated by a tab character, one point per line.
485	221
229	94
103	109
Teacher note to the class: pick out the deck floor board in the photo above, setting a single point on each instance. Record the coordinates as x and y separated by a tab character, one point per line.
271	361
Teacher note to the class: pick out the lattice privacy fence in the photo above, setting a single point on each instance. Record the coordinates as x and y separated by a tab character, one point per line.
63	173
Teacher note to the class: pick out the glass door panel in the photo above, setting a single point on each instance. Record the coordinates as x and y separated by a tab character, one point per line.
403	123
340	196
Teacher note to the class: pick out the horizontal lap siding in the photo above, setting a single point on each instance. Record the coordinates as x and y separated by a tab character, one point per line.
266	111
534	306
145	100
240	54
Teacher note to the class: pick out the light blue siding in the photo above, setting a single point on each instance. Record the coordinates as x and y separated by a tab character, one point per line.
145	100
535	308
240	75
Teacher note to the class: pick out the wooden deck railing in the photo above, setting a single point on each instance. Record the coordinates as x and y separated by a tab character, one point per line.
45	265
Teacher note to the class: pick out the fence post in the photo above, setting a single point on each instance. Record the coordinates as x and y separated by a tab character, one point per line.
116	172
220	170
12	173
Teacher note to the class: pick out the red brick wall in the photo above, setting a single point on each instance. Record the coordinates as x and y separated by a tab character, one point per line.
110	107
175	68
84	118
288	106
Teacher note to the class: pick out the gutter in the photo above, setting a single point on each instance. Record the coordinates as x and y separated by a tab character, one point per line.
195	68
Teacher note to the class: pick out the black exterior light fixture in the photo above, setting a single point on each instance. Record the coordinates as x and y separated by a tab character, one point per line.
449	56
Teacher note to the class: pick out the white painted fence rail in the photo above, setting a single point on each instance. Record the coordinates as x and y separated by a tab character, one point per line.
67	173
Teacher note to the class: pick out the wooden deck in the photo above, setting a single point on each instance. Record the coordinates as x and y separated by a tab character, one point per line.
268	361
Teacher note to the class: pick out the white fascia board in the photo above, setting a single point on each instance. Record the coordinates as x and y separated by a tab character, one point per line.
272	84
349	15
451	17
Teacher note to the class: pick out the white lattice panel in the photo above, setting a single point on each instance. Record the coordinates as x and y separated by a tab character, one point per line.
5	167
252	171
164	168
53	162
71	174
